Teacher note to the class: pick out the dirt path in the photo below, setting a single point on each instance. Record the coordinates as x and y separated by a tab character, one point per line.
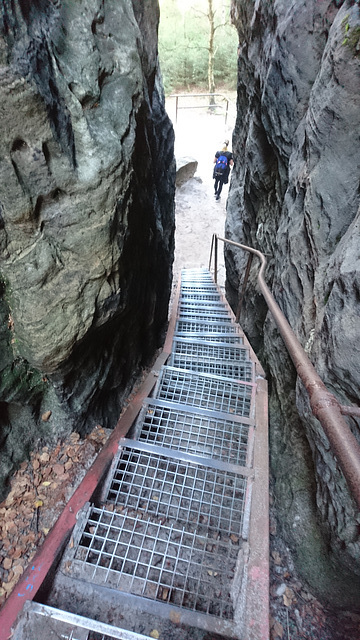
198	215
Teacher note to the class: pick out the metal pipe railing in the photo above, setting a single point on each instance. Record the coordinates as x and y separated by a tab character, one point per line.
205	106
324	405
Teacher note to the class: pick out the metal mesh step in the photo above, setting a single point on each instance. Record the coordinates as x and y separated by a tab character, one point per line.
205	433
198	296
179	488
206	315
200	287
201	305
144	557
195	273
228	338
192	326
216	358
201	349
205	391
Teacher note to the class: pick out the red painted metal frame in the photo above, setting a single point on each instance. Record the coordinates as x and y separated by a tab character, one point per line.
256	612
256	561
49	553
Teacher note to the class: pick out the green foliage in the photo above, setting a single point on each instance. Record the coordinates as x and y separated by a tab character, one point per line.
184	45
352	36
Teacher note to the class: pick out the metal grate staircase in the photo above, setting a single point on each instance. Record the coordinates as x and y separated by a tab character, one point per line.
167	549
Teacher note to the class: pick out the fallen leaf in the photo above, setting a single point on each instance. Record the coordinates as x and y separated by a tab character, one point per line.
38	503
8	586
7	563
277	630
58	469
155	634
45	416
276	557
46	483
175	617
288	597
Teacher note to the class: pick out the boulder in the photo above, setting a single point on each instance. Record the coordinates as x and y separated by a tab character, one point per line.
185	169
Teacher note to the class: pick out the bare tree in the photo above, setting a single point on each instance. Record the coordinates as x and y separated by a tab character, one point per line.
212	29
210	15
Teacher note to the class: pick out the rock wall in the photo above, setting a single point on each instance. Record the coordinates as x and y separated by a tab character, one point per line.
87	177
295	196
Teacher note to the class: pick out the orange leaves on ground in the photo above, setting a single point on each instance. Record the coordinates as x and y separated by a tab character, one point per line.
39	491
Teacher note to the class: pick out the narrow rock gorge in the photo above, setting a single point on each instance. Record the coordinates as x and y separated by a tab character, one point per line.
87	176
87	183
294	196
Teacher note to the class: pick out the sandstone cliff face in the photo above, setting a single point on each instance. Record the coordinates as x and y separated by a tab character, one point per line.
87	178
295	196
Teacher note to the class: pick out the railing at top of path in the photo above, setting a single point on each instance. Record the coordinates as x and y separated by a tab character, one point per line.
324	405
212	105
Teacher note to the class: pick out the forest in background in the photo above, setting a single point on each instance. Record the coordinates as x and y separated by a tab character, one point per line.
197	46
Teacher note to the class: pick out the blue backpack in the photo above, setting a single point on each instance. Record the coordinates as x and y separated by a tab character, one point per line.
221	165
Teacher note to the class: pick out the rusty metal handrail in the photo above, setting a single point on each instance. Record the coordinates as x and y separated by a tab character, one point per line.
324	405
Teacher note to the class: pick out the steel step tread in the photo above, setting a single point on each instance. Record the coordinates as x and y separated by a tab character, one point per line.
218	350
206	391
198	431
227	338
167	563
185	489
193	326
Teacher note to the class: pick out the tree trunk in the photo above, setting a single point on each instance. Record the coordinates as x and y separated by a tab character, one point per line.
211	81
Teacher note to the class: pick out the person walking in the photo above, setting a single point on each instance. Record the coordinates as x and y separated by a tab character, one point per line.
223	160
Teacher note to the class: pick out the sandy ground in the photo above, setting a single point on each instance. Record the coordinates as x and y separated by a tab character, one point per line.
199	135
